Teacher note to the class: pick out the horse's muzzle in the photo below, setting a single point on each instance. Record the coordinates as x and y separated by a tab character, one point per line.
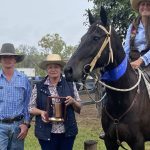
68	73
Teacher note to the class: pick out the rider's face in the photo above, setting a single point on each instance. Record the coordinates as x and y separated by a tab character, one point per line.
144	8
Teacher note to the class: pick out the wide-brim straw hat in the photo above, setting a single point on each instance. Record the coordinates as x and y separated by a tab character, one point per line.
135	4
52	59
9	50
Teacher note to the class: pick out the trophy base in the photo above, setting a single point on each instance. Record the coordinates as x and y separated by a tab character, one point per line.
56	119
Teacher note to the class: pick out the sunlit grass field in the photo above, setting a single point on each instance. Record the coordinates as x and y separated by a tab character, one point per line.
85	133
89	129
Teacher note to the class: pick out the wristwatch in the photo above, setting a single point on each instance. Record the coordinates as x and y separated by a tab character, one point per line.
27	124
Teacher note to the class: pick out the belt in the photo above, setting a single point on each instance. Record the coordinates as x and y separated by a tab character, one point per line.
11	120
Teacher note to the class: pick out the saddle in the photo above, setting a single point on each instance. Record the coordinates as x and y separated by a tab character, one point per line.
146	77
146	72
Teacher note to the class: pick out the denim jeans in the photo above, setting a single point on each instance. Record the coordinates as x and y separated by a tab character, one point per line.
58	142
8	136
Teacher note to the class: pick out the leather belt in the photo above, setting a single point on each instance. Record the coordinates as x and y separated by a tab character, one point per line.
11	120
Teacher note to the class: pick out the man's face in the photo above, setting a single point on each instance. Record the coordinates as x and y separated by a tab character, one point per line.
8	61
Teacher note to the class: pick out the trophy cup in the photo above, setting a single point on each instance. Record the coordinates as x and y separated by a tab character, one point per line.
56	108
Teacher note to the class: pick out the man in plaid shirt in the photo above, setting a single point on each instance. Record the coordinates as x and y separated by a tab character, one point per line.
14	97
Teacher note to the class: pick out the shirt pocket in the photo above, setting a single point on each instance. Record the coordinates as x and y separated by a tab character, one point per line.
19	91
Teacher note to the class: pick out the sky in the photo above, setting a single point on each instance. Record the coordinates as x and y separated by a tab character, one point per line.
27	21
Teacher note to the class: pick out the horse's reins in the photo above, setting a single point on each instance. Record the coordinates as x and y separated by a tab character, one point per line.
117	121
122	90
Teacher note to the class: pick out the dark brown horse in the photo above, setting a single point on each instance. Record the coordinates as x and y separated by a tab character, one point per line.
126	114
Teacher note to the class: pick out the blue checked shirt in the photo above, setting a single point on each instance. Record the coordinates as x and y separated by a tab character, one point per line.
140	43
14	96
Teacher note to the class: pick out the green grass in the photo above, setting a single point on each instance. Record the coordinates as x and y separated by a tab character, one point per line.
85	133
31	142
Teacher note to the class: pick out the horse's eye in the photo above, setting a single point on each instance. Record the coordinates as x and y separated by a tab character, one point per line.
96	38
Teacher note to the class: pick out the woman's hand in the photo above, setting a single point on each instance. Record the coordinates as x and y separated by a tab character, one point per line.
75	104
69	101
137	63
44	116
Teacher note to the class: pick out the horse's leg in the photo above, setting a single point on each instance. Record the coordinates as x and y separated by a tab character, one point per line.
138	144
110	144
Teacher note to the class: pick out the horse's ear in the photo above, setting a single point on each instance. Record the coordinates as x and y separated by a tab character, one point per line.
91	18
103	16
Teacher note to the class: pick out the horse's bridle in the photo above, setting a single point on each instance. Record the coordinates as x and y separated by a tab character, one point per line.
106	41
93	62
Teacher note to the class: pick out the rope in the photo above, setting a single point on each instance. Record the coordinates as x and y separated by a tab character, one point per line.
122	90
98	101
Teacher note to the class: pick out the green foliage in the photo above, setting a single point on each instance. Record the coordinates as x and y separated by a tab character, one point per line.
54	44
119	12
50	44
32	58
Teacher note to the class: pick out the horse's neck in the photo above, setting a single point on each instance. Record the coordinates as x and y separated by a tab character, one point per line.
120	101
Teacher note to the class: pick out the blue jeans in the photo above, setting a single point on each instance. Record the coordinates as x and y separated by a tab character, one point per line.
58	142
8	136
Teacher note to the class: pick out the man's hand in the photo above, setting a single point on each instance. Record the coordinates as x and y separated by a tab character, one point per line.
23	131
137	63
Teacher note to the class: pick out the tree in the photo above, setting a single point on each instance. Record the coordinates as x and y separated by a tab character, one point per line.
32	59
55	44
119	12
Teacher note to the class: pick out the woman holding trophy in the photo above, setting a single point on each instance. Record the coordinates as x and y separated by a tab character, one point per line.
53	102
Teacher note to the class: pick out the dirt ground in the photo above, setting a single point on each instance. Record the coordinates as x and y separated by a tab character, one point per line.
88	116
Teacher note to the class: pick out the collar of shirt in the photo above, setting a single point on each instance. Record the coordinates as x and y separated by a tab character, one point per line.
16	73
141	25
47	82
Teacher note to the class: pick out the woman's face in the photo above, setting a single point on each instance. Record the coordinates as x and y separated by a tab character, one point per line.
54	70
144	8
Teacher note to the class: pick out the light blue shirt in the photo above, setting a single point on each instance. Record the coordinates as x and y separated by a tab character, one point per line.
14	96
140	43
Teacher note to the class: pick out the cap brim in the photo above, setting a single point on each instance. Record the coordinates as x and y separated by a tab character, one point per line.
43	65
18	57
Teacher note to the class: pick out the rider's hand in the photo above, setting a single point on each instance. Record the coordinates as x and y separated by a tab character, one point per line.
137	63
